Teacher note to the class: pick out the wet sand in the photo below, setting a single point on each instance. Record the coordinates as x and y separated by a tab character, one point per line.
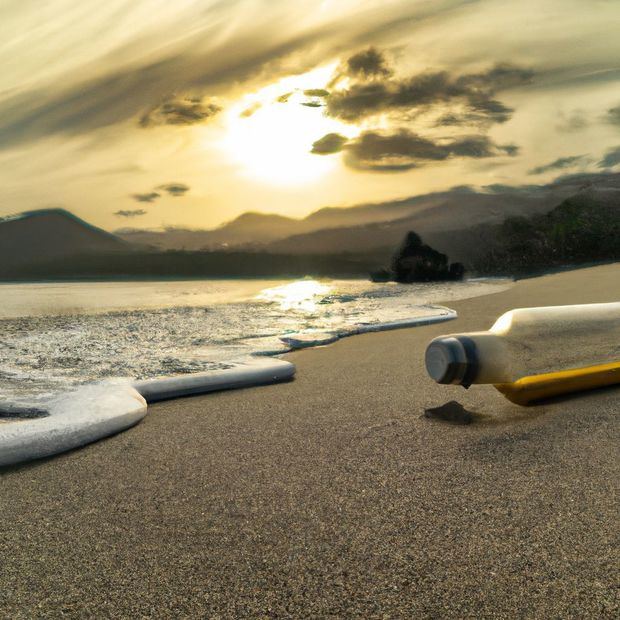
334	495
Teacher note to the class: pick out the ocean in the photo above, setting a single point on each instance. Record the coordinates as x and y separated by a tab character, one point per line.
55	337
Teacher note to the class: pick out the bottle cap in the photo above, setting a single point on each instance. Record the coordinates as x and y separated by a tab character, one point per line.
451	359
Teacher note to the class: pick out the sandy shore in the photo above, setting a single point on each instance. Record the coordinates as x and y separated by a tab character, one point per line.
334	496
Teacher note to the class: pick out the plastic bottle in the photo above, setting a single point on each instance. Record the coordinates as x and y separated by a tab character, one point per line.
534	353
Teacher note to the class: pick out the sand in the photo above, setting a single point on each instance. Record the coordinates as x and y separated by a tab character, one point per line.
334	496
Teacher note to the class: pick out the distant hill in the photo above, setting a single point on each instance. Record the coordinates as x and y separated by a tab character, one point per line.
53	244
248	229
498	230
584	228
462	240
455	209
40	236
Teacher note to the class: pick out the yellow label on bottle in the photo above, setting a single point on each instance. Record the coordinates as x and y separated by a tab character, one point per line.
529	389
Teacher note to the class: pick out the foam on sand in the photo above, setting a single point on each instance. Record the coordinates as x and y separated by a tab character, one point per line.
311	338
97	411
255	371
74	419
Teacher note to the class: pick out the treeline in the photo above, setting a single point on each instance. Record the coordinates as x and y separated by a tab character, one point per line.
583	229
177	264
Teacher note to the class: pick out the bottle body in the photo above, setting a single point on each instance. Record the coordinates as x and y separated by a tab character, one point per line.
529	348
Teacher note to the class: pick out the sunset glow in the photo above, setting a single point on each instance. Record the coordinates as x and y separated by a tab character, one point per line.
269	134
302	295
287	107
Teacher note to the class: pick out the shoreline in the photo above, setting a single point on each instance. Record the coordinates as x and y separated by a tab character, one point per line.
318	276
334	495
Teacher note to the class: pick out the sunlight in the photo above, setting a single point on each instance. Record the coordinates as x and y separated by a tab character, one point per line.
270	133
302	295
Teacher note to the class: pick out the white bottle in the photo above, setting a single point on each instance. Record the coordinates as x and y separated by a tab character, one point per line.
532	353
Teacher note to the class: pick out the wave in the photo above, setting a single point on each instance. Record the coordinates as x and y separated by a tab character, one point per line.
96	411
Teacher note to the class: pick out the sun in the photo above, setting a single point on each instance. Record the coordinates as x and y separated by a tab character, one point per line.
269	134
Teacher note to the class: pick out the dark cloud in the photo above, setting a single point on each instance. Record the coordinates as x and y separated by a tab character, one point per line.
174	189
146	197
558	164
180	111
316	92
369	63
130	212
329	143
403	150
313	104
481	113
613	116
490	109
500	77
611	158
415	93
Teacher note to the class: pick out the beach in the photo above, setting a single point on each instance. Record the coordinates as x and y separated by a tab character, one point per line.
334	495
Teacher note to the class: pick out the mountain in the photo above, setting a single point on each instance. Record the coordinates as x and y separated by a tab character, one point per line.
490	232
455	209
248	229
464	231
49	234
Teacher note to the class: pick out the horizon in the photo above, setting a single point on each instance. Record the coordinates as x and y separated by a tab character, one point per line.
139	115
464	189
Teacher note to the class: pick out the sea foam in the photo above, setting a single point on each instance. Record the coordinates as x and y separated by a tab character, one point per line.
74	419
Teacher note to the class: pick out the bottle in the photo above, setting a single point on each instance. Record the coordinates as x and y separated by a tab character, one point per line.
534	353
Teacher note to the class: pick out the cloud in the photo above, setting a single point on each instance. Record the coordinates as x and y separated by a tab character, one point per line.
403	150
180	111
316	92
490	109
130	212
199	57
146	197
610	159
481	113
613	116
502	76
124	93
558	164
575	121
260	46
174	189
329	143
369	63
401	96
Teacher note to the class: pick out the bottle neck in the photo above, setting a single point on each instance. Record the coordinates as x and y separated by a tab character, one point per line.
493	358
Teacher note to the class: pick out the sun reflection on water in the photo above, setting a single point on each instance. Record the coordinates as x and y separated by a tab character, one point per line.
302	295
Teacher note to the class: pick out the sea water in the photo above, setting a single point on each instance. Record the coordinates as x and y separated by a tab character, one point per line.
55	337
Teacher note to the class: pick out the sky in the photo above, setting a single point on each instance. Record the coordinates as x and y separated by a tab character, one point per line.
155	114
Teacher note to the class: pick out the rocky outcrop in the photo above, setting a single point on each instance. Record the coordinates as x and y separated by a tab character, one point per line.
417	262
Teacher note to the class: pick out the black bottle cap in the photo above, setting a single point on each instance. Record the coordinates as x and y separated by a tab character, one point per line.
452	359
